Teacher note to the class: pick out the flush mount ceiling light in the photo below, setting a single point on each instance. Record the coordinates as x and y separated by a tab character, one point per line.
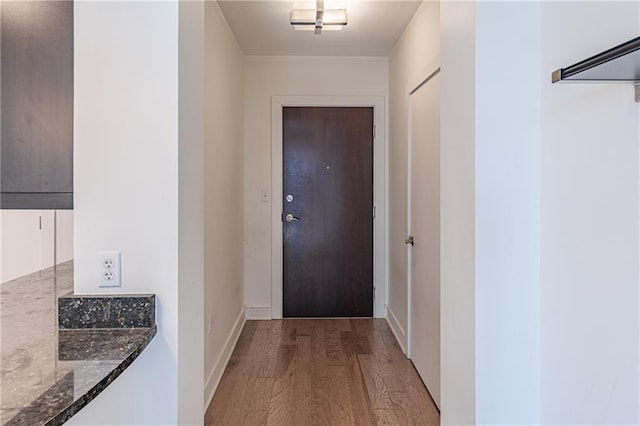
319	19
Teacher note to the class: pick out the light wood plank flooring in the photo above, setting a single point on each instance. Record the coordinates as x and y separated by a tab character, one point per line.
320	372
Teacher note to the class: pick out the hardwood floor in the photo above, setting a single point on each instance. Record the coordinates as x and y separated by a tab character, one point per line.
320	372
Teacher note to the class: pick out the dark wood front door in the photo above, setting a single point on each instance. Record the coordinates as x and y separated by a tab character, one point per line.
328	193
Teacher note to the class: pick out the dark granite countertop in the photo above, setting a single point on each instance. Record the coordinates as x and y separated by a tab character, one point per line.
48	374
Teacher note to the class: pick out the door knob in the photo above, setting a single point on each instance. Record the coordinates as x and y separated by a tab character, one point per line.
410	240
290	218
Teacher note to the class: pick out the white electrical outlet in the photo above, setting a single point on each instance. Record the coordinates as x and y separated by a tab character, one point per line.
109	269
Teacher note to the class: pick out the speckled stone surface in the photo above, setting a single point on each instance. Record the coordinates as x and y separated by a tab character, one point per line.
132	310
47	375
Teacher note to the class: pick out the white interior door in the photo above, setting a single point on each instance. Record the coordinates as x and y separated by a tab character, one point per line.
424	224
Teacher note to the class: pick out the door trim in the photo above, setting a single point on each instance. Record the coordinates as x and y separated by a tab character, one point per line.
380	184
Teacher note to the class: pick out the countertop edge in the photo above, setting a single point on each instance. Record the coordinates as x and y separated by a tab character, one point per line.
92	393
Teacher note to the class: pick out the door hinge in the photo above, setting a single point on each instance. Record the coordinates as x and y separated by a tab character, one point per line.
374	212
40	224
374	131
374	292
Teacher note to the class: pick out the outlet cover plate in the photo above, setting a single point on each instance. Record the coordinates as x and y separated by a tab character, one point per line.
109	269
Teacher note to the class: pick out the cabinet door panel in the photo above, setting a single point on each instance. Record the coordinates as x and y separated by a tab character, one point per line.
36	97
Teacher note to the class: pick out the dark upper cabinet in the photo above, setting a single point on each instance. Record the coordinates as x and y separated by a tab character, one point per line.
36	104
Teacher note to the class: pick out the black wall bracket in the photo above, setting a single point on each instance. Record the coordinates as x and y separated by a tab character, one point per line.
620	64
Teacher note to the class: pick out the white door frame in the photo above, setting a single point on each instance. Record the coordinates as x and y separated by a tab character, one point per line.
417	87
380	183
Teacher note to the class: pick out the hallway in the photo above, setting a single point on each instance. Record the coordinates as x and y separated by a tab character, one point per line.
320	372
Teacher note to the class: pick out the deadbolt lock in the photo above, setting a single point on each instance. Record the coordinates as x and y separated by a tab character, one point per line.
410	240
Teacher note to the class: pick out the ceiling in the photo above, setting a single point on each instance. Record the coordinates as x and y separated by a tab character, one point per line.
262	28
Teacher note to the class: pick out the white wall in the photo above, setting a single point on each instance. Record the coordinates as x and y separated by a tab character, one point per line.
267	76
414	58
170	118
540	218
457	328
191	199
589	331
27	241
126	159
490	212
507	222
224	190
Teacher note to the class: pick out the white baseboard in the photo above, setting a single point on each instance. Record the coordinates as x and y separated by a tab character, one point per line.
258	312
396	328
218	368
